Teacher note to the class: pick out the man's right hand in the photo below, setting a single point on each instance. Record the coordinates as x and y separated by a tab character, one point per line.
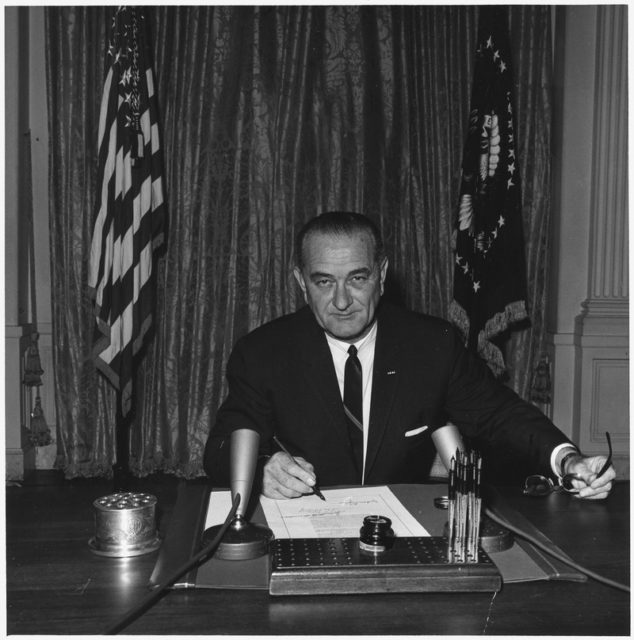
287	477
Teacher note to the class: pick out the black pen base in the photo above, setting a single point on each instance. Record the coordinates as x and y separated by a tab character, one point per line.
242	540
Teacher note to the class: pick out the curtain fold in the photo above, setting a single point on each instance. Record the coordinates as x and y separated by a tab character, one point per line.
531	34
269	116
84	403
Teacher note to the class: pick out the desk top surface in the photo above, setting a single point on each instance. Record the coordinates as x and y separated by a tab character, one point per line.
55	584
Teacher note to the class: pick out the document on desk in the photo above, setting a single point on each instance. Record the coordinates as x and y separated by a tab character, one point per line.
340	516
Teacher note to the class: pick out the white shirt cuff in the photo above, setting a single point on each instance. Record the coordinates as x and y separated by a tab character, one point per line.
553	456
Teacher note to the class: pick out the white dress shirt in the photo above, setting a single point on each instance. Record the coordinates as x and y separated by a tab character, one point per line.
365	353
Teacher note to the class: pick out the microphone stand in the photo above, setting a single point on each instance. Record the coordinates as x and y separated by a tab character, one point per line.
243	540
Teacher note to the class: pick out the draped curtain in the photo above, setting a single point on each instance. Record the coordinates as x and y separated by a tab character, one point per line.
269	116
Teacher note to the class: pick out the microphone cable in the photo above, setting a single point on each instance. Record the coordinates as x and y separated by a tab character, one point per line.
562	558
157	592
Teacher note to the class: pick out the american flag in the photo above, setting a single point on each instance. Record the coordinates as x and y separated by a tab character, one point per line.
130	212
490	266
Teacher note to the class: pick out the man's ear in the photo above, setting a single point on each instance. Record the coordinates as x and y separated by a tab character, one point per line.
300	281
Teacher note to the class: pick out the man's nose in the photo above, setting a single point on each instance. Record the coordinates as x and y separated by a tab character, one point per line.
342	299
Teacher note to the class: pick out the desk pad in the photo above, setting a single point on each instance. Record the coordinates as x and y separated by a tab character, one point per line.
520	563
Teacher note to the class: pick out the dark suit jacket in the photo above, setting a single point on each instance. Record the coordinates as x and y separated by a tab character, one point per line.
282	381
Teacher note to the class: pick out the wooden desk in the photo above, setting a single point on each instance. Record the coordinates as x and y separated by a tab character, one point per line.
56	585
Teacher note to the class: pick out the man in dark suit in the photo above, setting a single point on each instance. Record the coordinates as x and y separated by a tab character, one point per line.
370	416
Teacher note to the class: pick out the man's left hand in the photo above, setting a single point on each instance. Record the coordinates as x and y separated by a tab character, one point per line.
587	467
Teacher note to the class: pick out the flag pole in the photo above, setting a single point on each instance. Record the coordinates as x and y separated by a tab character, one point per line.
121	476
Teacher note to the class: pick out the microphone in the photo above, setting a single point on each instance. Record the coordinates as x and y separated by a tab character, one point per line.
243	540
245	444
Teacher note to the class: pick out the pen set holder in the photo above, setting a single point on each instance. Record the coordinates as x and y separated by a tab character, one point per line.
380	562
467	530
464	507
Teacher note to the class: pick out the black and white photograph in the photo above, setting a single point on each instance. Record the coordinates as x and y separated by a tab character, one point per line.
316	320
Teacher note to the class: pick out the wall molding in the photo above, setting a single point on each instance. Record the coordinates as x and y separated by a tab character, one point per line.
590	348
609	204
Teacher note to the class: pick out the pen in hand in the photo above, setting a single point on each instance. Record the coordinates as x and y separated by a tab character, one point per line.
316	490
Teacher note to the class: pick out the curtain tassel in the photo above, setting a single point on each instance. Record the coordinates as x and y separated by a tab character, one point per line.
38	432
541	387
33	365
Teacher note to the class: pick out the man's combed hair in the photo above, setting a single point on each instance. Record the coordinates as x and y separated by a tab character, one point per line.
339	223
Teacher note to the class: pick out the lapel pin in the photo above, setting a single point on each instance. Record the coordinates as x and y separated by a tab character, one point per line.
391	372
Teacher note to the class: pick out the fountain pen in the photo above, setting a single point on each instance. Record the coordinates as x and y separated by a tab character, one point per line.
316	490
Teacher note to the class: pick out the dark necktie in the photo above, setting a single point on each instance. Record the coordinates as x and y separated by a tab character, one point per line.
353	405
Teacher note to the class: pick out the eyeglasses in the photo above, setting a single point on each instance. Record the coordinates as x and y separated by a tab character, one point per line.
538	486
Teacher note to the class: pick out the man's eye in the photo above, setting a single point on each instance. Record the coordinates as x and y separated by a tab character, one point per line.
358	279
322	283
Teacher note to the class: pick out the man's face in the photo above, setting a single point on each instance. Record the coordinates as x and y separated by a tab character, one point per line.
342	283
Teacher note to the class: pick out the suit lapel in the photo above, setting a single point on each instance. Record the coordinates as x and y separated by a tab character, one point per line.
384	385
319	372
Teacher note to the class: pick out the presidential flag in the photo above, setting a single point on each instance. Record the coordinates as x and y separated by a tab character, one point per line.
129	221
489	286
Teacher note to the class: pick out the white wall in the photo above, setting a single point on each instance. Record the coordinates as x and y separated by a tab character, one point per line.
589	316
13	126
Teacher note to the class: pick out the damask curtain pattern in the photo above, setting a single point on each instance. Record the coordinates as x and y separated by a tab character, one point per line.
531	40
269	116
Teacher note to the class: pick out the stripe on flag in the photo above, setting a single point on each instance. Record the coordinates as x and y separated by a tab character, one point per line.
130	211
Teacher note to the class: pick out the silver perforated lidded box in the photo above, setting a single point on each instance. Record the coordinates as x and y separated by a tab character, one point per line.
125	525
